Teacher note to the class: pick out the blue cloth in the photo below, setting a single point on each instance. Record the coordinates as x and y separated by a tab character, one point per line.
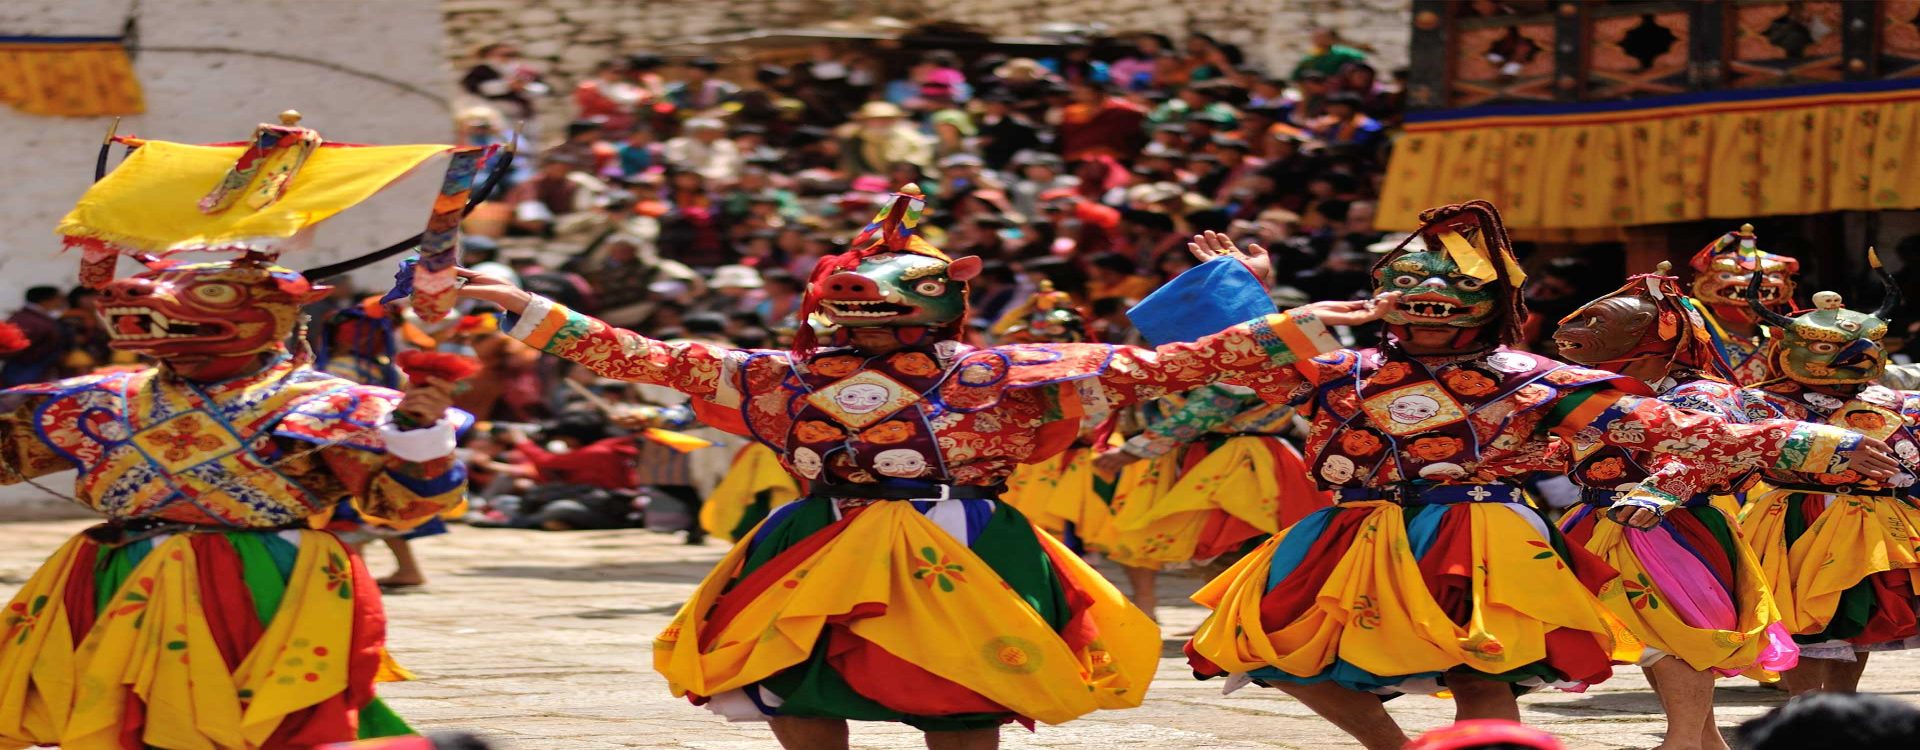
1212	297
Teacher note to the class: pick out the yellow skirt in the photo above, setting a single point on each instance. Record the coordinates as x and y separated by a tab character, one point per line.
1244	488
160	638
1820	551
755	470
1342	597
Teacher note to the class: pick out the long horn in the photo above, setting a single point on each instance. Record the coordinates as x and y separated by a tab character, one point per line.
1767	314
1889	301
106	146
494	176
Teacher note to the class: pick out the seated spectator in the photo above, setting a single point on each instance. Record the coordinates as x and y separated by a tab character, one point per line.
882	136
701	90
584	476
555	192
586	143
637	152
1831	721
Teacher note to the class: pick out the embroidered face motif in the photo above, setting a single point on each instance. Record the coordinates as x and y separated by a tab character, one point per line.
806	462
915	364
835	367
1437	447
900	462
1865	421
816	431
1390	373
1509	362
1607	469
861	398
1469	382
1413	409
1360	443
1907	452
888	433
1436	292
1337	469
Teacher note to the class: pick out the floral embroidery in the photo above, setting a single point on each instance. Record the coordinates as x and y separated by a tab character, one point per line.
938	570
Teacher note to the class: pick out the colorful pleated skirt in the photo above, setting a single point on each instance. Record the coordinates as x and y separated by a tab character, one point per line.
1691	588
1066	497
1844	568
945	615
232	639
1219	496
1382	598
755	485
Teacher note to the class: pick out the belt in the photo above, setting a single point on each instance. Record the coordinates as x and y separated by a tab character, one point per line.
118	533
1434	494
907	491
1839	489
1606	498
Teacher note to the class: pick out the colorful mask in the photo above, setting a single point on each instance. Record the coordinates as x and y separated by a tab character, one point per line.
1831	345
1458	271
1646	319
225	309
1049	317
892	279
1726	267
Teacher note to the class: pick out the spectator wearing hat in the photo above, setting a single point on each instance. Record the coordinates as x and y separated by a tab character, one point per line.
482	255
1098	124
1328	55
882	136
484	126
701	91
736	288
704	149
1345	127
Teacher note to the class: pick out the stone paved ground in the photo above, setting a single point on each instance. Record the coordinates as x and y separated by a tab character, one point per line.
540	640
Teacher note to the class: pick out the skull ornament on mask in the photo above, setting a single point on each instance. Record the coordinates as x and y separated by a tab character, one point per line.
1831	345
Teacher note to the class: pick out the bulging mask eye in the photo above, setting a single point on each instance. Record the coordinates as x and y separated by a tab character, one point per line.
216	294
1469	283
930	288
1823	347
1404	281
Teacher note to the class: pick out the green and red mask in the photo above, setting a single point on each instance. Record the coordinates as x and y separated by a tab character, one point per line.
1457	272
893	279
1831	345
1725	269
205	312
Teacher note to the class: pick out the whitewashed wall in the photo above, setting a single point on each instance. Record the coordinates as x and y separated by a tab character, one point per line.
366	71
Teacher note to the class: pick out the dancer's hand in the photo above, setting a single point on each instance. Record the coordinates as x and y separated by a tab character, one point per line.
1634	516
498	291
1350	312
1112	460
1211	244
425	401
1872	458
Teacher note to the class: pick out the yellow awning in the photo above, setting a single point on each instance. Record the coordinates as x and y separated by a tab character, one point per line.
1716	155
